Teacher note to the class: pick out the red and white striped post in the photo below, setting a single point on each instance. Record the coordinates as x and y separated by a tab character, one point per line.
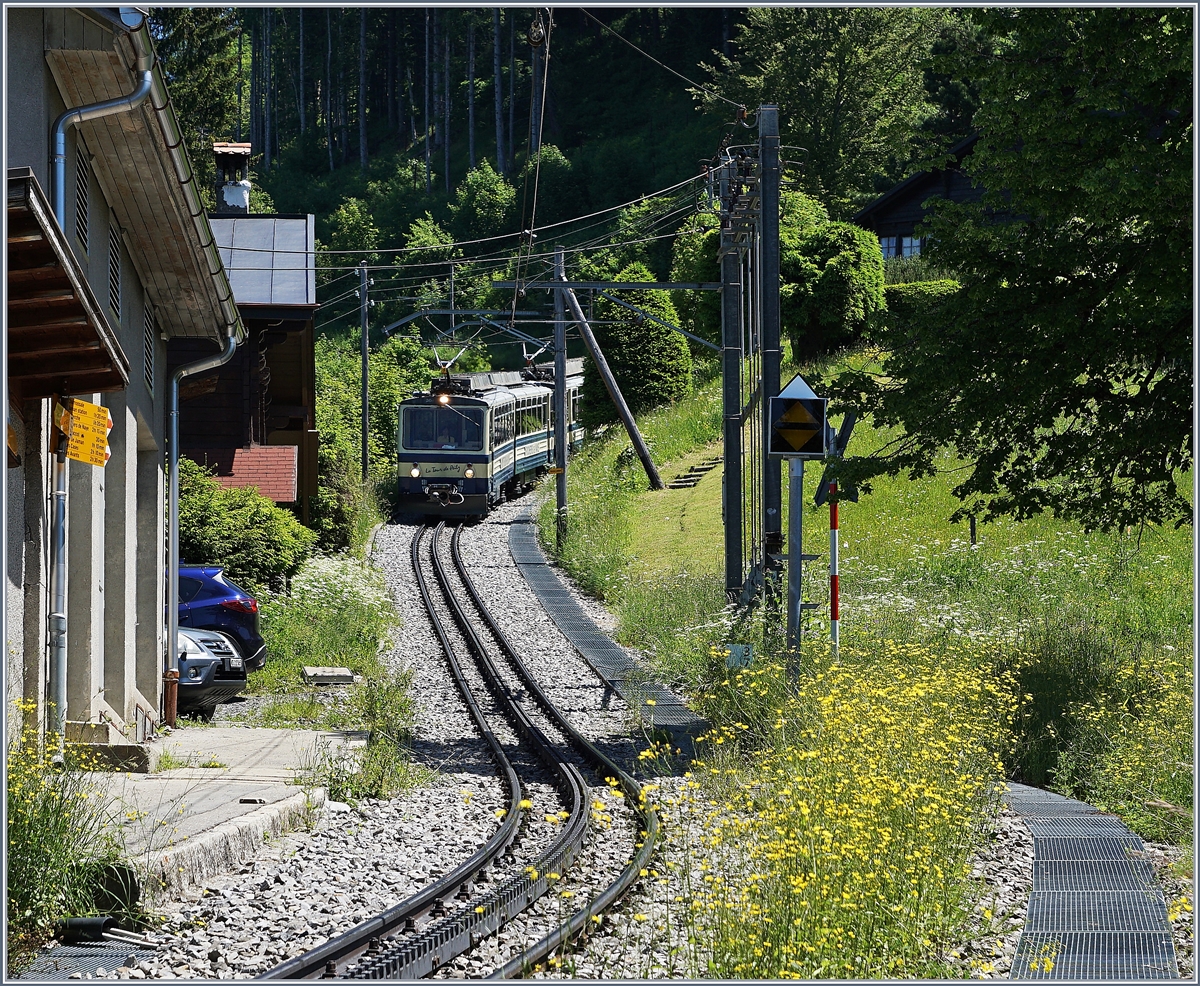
834	614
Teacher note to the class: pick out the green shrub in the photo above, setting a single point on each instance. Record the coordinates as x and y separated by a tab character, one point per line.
485	204
651	363
909	270
338	613
695	259
833	286
259	544
907	303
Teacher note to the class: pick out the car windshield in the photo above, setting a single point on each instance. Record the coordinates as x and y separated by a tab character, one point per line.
443	428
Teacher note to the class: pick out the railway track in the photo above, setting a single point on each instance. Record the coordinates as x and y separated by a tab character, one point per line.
544	763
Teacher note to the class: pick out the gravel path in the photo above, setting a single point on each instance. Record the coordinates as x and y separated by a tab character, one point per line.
356	860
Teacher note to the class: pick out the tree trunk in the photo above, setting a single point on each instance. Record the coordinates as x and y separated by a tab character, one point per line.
428	186
411	107
512	75
437	81
362	89
446	109
471	95
255	143
535	103
303	122
389	89
343	116
238	131
497	87
329	86
267	89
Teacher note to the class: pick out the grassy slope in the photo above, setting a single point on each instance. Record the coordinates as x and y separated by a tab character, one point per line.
1097	624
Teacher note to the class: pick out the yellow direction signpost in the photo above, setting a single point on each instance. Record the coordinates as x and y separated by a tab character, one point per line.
87	426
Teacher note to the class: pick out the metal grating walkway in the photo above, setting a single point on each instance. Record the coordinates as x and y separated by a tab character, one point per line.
1096	910
57	964
619	670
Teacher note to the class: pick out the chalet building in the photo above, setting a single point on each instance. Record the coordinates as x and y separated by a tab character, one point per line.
895	215
252	421
107	264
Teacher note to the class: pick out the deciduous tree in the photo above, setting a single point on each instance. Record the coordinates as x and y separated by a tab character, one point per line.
1061	371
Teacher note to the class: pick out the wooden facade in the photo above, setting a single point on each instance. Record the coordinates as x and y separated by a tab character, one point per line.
900	210
265	396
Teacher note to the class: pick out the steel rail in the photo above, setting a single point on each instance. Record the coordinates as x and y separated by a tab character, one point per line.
362	952
463	930
580	921
405	915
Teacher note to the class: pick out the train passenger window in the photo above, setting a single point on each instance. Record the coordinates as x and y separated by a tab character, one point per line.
443	428
502	427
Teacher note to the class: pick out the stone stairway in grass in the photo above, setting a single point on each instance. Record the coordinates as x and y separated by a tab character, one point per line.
687	480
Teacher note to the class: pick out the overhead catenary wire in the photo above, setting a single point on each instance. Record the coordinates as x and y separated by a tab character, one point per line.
695	85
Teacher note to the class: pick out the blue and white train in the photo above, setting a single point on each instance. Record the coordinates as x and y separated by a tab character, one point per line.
475	439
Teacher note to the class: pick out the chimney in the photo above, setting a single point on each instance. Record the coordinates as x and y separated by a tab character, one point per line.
233	192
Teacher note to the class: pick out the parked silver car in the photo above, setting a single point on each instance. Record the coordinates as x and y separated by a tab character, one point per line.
211	671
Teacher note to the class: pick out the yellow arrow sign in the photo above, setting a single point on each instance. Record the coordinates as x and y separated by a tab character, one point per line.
797	426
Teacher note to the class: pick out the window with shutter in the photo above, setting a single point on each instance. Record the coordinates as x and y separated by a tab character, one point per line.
114	268
81	196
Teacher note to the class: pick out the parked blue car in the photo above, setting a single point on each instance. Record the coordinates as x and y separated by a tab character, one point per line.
210	601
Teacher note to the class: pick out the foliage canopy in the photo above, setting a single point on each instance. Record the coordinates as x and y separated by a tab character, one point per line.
1061	370
651	363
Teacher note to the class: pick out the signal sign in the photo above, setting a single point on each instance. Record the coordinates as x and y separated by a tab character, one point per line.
798	429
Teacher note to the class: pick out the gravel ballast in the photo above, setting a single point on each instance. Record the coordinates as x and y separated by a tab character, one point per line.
356	860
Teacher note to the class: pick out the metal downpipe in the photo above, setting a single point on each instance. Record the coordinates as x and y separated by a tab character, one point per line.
81	114
171	671
57	617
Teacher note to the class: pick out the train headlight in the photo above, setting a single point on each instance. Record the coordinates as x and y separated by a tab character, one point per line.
443	398
470	473
415	471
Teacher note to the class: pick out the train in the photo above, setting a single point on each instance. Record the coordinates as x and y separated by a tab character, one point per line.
473	440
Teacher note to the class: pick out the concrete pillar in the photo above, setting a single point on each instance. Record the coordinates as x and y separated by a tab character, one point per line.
34	534
120	560
85	589
151	537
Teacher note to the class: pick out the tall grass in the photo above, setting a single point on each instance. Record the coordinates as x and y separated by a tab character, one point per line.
840	843
59	843
1092	632
339	614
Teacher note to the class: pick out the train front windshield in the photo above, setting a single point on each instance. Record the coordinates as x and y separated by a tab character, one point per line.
443	427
